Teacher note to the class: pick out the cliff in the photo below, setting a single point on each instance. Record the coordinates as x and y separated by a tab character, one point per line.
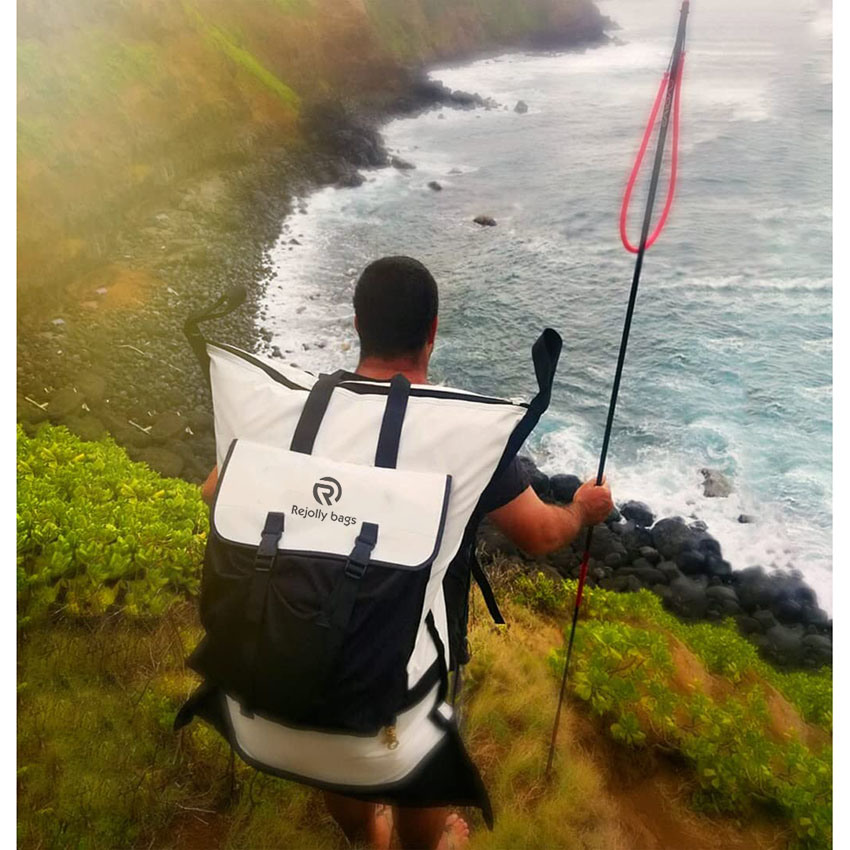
120	103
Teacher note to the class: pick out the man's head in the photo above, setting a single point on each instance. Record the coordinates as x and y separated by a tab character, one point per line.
395	310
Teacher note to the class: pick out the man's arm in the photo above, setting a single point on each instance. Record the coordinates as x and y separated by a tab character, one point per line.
539	528
208	487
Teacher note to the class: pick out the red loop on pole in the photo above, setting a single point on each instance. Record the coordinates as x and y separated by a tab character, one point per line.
674	161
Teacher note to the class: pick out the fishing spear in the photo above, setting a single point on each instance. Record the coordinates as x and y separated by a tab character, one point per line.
669	91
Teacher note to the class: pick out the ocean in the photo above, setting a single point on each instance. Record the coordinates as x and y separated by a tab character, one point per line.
730	359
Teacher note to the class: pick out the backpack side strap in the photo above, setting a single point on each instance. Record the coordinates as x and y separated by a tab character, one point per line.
486	591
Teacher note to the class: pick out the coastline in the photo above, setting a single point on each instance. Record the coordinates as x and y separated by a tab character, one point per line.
118	361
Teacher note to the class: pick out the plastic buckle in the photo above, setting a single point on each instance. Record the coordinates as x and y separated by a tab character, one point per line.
267	550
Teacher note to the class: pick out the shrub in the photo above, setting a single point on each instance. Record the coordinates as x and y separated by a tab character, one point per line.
623	668
97	532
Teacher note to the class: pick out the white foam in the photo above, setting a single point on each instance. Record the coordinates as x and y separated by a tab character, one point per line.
671	486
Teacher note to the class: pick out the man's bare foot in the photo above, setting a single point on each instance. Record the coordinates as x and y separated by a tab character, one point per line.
455	833
382	827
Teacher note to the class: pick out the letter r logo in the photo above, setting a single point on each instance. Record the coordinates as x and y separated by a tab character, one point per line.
327	490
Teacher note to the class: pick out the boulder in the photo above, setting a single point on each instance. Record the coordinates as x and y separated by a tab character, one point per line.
649	576
784	646
687	599
722	601
485	220
92	386
168	426
764	618
521	107
691	562
64	402
634	538
715	484
401	164
716	567
639	513
653	556
670	570
435	186
85	426
164	462
672	536
563	487
615	559
754	587
817	650
746	518
625	583
539	480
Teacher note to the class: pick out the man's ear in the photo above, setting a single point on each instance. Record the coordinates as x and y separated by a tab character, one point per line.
432	331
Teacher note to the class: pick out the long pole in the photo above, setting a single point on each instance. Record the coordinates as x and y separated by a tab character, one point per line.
673	81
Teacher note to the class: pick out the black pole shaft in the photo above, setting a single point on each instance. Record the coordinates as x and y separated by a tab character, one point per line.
673	80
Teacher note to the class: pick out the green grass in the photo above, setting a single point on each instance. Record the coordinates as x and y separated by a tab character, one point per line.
99	766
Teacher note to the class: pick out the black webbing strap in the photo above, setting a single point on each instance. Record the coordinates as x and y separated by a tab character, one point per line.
313	412
255	605
544	353
390	436
441	656
227	303
316	406
486	591
341	603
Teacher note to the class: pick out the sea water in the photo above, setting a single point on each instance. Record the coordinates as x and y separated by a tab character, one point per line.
729	364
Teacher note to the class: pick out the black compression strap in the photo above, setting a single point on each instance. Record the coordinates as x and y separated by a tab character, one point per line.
226	304
486	591
313	412
390	436
441	656
544	353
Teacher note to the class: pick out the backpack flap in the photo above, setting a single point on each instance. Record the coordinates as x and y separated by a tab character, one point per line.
314	585
325	502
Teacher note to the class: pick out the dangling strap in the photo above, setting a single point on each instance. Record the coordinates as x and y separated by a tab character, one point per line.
230	301
316	406
390	436
544	353
486	591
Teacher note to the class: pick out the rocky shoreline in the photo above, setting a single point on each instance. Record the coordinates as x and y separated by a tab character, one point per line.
683	564
110	357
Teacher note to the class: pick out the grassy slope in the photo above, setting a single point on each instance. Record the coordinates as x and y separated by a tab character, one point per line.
118	102
662	715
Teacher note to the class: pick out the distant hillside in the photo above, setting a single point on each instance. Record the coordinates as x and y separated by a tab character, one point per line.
119	102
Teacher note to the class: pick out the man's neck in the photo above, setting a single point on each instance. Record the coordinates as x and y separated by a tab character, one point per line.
382	370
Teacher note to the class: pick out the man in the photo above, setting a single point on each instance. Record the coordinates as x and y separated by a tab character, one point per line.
395	306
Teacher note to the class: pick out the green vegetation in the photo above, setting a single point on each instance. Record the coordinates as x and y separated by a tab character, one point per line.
645	687
98	533
119	103
626	671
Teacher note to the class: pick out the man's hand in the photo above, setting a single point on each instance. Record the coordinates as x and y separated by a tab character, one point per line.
594	502
539	528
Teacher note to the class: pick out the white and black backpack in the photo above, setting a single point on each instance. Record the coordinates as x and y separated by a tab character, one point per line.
340	503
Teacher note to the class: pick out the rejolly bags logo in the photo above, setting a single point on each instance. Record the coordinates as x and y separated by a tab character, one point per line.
327	491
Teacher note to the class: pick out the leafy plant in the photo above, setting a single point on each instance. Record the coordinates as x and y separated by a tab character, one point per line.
97	532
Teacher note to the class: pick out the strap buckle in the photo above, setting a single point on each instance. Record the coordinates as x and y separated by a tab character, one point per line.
361	554
267	550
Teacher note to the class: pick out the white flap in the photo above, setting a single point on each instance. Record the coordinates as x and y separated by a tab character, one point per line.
325	502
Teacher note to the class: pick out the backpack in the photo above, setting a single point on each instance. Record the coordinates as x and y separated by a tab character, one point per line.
340	503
